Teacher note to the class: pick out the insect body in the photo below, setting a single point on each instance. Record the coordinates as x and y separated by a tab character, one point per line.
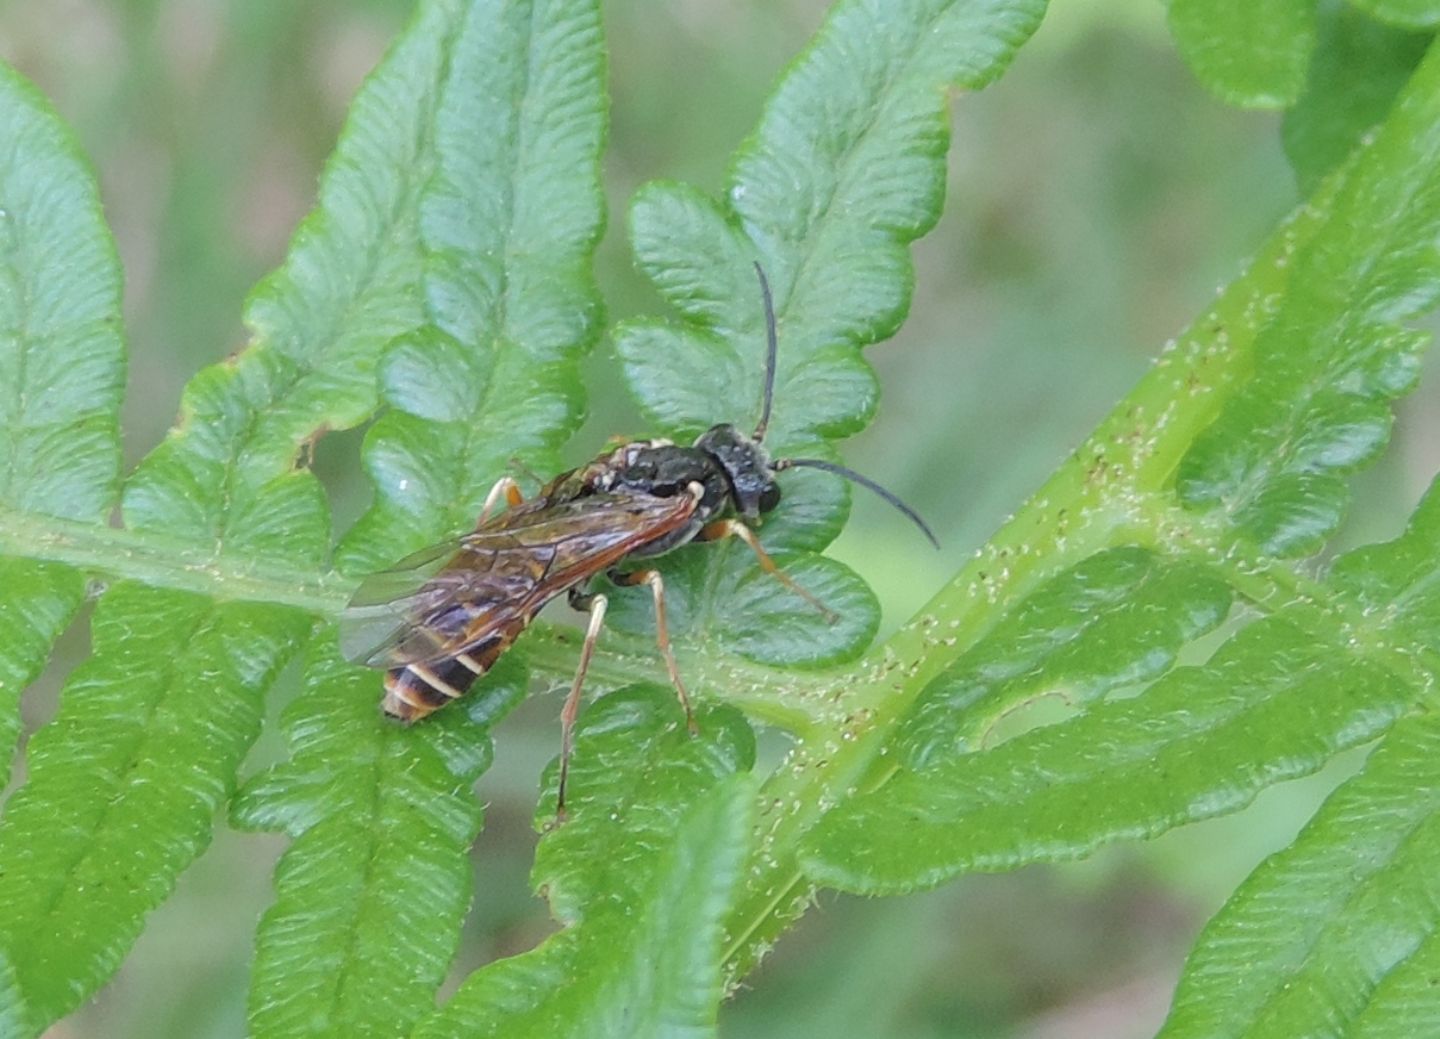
453	626
447	613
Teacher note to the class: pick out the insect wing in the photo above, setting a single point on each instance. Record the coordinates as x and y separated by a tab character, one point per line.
444	600
391	605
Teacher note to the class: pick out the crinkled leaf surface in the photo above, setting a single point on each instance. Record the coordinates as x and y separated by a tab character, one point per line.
61	354
1271	705
169	702
1273	466
447	264
371	892
1247	52
1328	937
1114	620
506	226
229	471
37	600
136	764
1285	386
844	170
62	374
729	604
641	874
14	1022
1396	581
1358	68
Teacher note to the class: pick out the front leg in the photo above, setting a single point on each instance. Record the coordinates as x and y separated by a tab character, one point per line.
725	528
506	486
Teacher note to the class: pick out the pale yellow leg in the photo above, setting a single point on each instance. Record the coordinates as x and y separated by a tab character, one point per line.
731	527
507	486
571	710
662	635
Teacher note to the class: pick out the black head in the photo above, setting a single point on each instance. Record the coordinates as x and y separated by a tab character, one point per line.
746	464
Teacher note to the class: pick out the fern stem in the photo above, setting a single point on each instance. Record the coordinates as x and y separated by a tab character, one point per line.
1115	490
163	561
168	562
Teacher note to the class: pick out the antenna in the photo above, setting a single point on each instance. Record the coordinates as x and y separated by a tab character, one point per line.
771	347
863	481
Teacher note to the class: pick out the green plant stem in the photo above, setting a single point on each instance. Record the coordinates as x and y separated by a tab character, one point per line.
169	562
795	700
1113	491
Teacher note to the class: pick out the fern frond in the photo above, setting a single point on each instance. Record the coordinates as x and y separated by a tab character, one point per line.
641	875
507	223
62	373
1337	932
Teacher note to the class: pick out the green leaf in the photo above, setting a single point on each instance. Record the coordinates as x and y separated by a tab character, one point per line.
717	598
1272	704
1114	620
1293	414
228	476
510	220
433	456
62	357
1317	408
451	289
1335	934
508	228
37	601
1395	582
1359	67
62	372
230	471
1247	52
641	873
1242	405
150	733
1410	14
13	1015
844	171
371	894
1116	488
1404	1004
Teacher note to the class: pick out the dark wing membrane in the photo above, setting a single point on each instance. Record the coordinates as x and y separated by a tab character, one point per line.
391	604
406	577
506	569
388	604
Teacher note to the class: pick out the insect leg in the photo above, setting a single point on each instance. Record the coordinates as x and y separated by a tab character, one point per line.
517	464
662	633
596	604
731	527
507	486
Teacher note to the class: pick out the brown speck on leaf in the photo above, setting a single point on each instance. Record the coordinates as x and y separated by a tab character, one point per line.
305	453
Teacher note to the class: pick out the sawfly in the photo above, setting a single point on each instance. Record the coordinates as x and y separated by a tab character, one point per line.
440	618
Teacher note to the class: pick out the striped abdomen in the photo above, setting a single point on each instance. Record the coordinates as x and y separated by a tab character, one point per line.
416	690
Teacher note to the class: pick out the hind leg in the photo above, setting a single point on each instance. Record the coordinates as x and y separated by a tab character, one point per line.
595	604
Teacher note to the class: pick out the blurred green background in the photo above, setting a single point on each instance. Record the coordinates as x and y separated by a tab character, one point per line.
1097	199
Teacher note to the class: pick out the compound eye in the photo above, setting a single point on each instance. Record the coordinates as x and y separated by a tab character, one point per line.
769	497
